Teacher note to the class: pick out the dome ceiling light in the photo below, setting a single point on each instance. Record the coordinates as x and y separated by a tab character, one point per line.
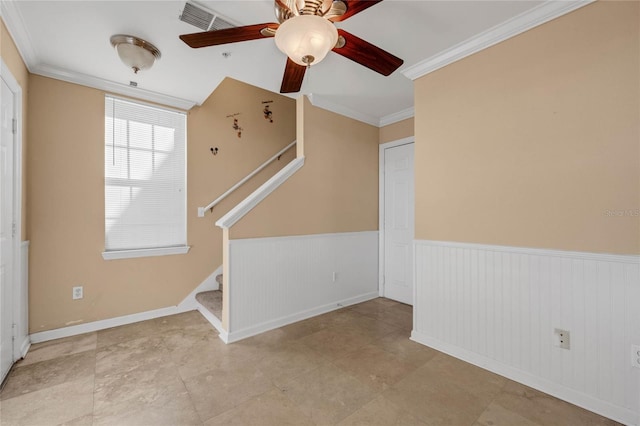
134	52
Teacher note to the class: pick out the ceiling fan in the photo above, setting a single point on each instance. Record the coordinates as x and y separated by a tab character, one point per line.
306	33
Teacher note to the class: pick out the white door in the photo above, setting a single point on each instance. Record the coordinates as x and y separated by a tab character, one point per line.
398	223
6	229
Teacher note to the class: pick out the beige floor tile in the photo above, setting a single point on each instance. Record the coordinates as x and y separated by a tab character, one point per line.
302	329
436	401
335	342
50	406
372	328
375	367
125	391
327	395
211	353
541	408
192	320
45	351
48	373
496	415
125	333
86	420
272	408
405	349
482	383
399	316
222	389
288	362
373	308
381	412
174	407
131	354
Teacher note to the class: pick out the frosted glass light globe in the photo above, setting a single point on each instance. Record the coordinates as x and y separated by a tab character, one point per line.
306	39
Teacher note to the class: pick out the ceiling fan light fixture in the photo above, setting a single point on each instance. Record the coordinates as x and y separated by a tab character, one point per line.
134	52
306	39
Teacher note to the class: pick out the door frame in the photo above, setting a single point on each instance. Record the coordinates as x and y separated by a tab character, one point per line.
381	186
14	86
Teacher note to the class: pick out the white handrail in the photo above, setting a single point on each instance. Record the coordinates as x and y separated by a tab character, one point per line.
202	210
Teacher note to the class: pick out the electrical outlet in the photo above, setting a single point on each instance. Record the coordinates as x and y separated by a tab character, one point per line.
77	293
562	338
635	356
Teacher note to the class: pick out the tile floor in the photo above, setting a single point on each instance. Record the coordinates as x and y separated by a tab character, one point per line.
355	366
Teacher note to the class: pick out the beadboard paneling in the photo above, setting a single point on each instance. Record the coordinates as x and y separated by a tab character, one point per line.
497	307
276	281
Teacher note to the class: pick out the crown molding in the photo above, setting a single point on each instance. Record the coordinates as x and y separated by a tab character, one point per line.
545	12
17	29
320	102
112	87
396	117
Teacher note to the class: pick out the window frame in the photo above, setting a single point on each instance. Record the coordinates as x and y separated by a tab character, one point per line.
149	251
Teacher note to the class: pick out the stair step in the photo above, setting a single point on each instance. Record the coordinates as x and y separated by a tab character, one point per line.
212	300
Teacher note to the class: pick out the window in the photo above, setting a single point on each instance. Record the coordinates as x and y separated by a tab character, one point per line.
145	180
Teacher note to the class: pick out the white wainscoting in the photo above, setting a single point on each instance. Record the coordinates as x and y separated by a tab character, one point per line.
497	307
277	281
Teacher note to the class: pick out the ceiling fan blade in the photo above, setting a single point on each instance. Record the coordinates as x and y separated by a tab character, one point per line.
293	76
366	54
229	35
353	7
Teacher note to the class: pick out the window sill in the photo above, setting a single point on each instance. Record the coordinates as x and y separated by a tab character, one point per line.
128	254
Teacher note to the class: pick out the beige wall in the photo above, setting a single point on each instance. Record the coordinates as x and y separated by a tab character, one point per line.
66	199
13	60
400	130
335	191
531	142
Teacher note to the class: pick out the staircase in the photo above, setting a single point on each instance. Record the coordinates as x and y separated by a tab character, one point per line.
212	300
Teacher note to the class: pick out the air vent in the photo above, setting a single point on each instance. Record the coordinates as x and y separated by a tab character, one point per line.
204	19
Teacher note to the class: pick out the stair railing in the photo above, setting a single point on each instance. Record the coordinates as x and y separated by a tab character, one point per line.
211	205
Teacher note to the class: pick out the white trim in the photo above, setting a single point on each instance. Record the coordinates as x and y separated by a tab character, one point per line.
559	391
215	322
605	257
397	117
202	210
22	322
112	87
296	237
245	206
290	319
17	245
381	149
129	254
17	29
538	15
89	327
320	102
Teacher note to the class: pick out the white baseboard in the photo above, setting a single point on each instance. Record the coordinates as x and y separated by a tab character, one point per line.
215	322
290	319
587	402
24	347
89	327
188	304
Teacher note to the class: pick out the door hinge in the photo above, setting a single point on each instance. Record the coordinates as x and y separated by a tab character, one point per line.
13	230
14	125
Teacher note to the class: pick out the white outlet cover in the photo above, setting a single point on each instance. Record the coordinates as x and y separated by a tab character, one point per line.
562	338
635	356
77	293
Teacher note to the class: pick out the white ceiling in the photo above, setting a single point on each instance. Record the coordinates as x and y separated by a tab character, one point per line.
70	39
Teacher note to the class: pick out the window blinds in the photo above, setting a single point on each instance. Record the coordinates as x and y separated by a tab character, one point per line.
145	177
